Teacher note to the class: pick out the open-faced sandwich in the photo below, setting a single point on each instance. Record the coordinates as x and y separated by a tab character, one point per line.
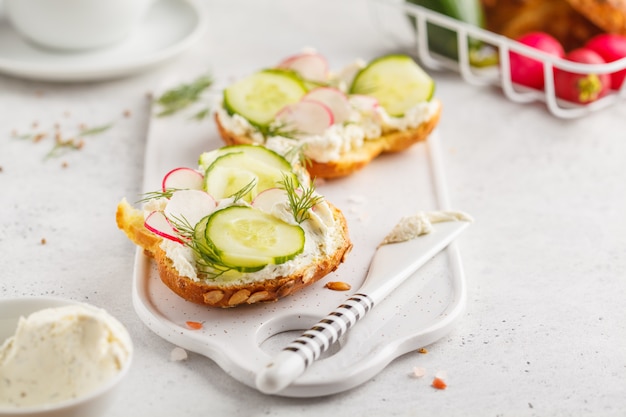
246	226
339	121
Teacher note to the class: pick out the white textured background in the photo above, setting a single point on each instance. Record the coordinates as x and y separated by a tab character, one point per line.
544	333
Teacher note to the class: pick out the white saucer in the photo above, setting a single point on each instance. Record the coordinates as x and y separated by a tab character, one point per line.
168	29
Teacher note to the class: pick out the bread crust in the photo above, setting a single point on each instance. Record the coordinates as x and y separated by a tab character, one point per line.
610	15
356	159
214	294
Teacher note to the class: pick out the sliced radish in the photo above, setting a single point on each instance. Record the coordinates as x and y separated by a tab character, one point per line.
310	65
189	206
364	103
306	117
334	99
267	199
182	179
158	224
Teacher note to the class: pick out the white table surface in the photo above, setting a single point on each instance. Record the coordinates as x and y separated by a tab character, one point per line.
545	331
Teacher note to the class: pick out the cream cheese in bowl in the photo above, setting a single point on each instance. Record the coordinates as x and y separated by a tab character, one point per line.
59	357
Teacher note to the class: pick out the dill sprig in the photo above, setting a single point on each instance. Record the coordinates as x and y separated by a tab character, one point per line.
95	130
181	97
64	145
279	129
297	155
208	260
300	203
153	195
243	191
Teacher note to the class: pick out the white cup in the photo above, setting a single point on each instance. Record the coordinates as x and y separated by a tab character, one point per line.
75	24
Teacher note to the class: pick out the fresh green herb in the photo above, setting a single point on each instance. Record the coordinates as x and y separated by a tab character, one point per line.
296	155
300	203
279	129
181	97
61	146
24	136
244	191
208	259
95	130
202	114
153	195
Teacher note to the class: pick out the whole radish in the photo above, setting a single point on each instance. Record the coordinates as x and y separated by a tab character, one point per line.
528	71
610	47
581	88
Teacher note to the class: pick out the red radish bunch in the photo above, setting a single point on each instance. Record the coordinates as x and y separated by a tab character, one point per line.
528	71
581	88
610	47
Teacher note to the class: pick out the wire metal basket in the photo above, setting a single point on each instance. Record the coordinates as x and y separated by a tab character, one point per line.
394	17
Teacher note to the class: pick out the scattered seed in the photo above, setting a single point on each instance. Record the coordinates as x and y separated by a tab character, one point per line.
422	350
127	113
338	286
178	354
43	241
418	372
194	325
64	164
38	137
439	383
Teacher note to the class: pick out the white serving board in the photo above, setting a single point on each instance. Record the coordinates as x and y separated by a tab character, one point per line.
242	340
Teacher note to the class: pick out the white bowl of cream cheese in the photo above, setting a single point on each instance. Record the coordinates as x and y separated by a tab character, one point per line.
59	357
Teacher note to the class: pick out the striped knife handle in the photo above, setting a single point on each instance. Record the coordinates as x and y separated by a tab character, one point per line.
319	338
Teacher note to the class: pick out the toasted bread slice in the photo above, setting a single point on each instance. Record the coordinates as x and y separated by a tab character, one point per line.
356	158
216	293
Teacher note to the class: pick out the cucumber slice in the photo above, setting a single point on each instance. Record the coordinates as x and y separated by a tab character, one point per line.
247	239
254	151
396	81
231	172
260	96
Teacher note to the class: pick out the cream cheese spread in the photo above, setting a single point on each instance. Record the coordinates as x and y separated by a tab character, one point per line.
319	230
421	223
338	138
362	124
59	354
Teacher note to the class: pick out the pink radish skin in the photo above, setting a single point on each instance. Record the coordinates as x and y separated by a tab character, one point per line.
334	99
528	71
157	223
190	206
267	199
306	117
310	66
183	179
610	47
